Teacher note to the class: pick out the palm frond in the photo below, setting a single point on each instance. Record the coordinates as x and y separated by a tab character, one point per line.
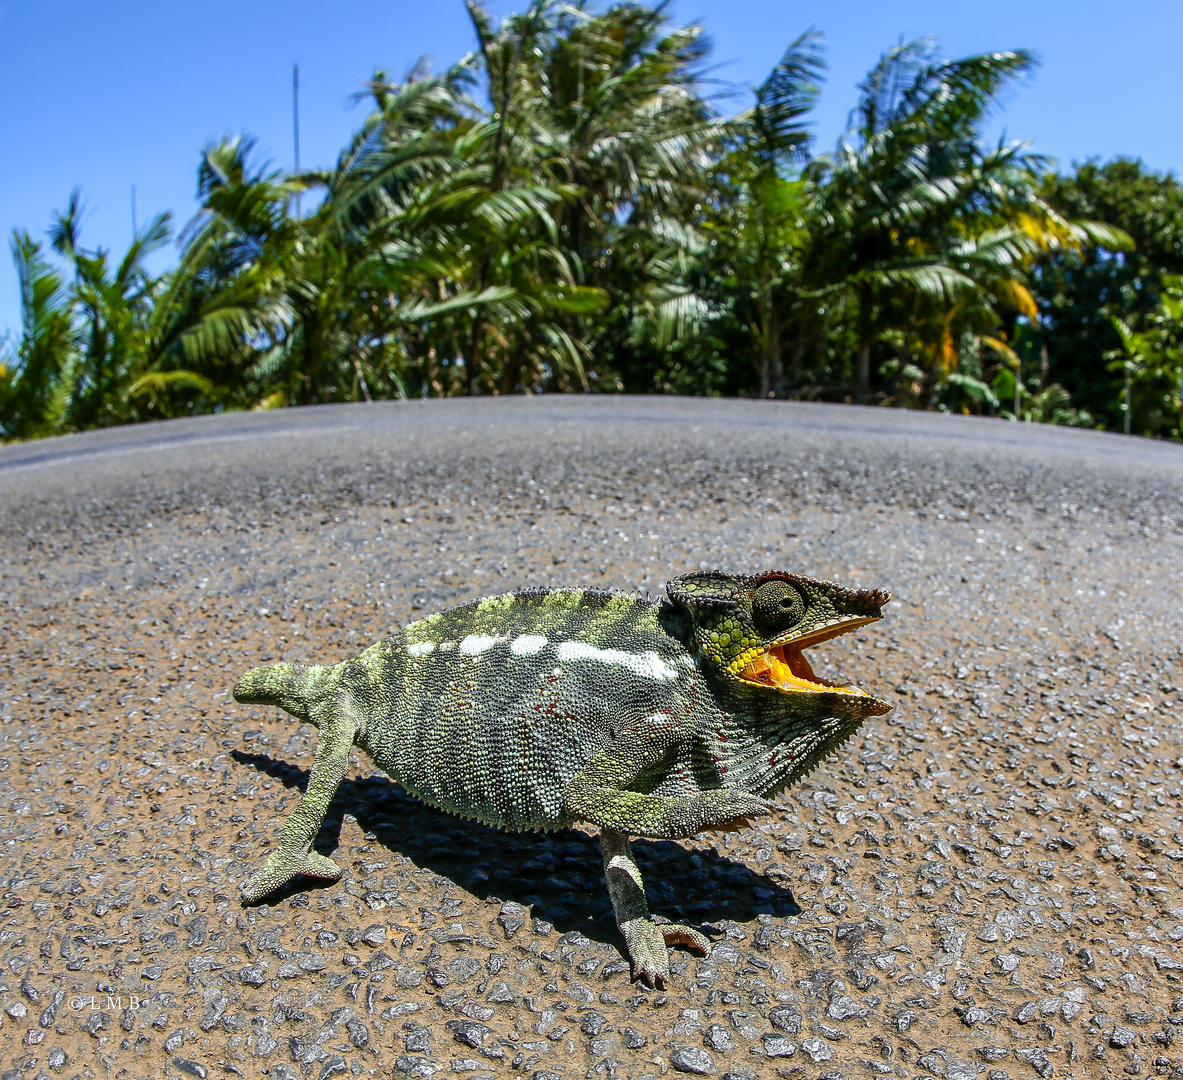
155	382
785	99
421	308
931	279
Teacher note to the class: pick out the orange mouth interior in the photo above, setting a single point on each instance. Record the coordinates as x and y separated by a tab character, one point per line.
785	667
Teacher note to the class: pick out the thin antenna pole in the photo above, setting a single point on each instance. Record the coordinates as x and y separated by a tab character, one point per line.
296	125
134	230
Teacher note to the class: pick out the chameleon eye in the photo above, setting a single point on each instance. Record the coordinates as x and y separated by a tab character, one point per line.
777	606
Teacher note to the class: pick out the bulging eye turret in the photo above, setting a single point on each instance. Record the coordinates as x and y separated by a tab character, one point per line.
776	606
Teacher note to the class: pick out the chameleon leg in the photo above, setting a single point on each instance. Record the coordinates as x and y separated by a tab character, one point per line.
645	938
294	855
595	794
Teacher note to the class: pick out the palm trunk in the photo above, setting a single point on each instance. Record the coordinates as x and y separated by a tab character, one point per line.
472	360
313	355
819	347
511	374
797	368
772	376
863	371
773	363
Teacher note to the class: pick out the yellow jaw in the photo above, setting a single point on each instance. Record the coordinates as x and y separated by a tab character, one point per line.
784	666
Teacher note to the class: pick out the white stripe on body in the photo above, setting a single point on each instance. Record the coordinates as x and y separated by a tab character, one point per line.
527	644
475	644
647	664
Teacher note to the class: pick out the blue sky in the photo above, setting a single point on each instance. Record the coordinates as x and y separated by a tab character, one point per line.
103	96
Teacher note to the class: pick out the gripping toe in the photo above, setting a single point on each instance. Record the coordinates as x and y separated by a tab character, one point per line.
281	866
686	936
317	865
743	809
648	941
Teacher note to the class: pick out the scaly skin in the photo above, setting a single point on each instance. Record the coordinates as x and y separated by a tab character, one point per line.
538	709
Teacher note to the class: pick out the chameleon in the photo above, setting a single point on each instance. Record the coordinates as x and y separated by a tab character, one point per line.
644	717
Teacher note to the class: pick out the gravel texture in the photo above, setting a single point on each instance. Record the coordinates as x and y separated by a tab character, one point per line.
985	883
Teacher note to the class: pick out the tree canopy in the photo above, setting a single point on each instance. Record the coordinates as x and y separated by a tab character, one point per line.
565	209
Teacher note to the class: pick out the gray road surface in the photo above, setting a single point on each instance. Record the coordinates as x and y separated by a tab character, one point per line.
984	883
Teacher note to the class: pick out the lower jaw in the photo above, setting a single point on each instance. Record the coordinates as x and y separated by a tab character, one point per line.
771	670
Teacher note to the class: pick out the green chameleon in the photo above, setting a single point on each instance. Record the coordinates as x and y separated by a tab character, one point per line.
539	709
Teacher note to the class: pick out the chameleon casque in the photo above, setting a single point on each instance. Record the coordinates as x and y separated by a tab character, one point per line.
538	709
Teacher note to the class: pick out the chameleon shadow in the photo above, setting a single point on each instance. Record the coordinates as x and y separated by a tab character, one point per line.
559	875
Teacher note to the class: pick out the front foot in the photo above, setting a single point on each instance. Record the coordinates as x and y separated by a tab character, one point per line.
747	808
648	941
284	864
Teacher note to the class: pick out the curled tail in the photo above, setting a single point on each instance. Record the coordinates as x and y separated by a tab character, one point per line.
295	688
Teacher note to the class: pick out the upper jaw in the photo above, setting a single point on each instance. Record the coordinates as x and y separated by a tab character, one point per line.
783	665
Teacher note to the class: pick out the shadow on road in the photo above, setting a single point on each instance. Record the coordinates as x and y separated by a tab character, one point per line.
560	874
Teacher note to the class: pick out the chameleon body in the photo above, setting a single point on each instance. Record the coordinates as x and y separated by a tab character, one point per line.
542	708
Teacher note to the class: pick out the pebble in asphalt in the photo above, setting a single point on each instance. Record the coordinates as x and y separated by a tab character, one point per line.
984	883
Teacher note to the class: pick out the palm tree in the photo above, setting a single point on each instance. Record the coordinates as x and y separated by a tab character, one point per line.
920	223
226	297
112	306
1150	363
606	109
564	209
454	232
760	228
36	374
909	179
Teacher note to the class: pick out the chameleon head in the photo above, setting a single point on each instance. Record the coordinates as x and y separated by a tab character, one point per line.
756	630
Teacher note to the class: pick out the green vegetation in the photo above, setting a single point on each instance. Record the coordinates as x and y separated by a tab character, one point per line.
565	210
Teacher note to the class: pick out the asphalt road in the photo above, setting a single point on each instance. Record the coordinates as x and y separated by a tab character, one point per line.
289	446
984	883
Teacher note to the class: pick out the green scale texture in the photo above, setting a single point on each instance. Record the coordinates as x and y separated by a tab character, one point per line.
489	710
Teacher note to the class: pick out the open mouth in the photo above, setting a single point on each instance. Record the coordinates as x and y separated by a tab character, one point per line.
786	668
